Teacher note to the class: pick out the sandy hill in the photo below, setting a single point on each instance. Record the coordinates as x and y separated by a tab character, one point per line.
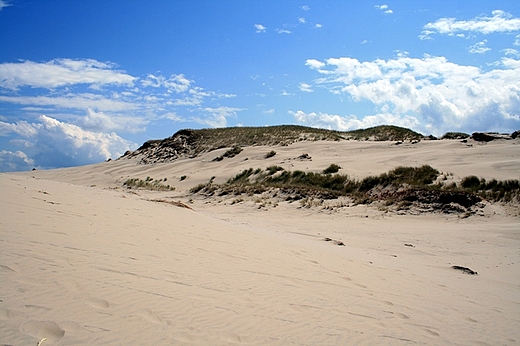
186	249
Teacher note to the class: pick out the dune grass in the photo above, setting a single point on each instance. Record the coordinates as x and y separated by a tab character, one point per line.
148	184
402	185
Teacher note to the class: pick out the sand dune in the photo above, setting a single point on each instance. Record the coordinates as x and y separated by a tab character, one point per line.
86	262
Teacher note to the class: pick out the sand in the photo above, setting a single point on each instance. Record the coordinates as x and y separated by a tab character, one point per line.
86	262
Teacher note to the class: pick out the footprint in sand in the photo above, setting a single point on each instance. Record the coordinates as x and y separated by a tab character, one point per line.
43	329
150	316
7	269
98	303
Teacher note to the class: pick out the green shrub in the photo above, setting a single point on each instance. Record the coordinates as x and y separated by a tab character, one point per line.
333	168
270	154
148	184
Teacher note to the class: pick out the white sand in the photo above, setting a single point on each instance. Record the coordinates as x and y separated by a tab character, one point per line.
84	262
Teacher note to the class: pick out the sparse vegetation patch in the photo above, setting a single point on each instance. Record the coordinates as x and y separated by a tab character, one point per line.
401	188
148	184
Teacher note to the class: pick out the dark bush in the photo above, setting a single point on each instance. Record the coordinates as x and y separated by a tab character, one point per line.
270	154
333	168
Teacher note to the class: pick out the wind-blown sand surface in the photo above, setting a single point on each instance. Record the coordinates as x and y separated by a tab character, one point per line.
86	262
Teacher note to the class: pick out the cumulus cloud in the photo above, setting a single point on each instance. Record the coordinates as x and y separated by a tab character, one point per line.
98	96
61	72
52	143
499	21
301	20
283	31
260	28
351	122
441	95
101	122
15	161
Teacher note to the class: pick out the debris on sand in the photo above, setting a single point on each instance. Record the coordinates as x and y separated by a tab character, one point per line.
465	270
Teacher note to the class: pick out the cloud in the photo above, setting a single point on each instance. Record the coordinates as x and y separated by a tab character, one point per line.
61	72
500	21
52	143
301	20
511	52
351	122
384	8
283	31
441	95
318	25
15	161
260	28
305	8
3	4
306	88
97	96
101	122
315	64
479	48
175	83
218	116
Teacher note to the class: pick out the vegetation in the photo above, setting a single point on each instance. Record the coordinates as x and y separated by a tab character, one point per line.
148	184
384	133
333	168
270	154
230	153
455	135
402	186
191	143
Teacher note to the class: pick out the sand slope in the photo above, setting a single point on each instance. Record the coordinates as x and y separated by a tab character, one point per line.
93	265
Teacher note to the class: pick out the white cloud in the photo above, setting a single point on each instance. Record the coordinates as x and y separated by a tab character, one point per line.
384	8
318	25
315	64
500	21
260	28
75	101
479	48
301	20
440	94
347	123
305	8
217	116
306	88
61	72
15	161
175	83
123	103
283	31
517	40
57	144
511	52
3	4
101	122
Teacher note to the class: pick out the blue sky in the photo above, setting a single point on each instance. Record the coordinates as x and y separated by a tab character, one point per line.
82	81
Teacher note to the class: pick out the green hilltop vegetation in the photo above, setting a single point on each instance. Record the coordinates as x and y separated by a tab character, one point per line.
194	142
